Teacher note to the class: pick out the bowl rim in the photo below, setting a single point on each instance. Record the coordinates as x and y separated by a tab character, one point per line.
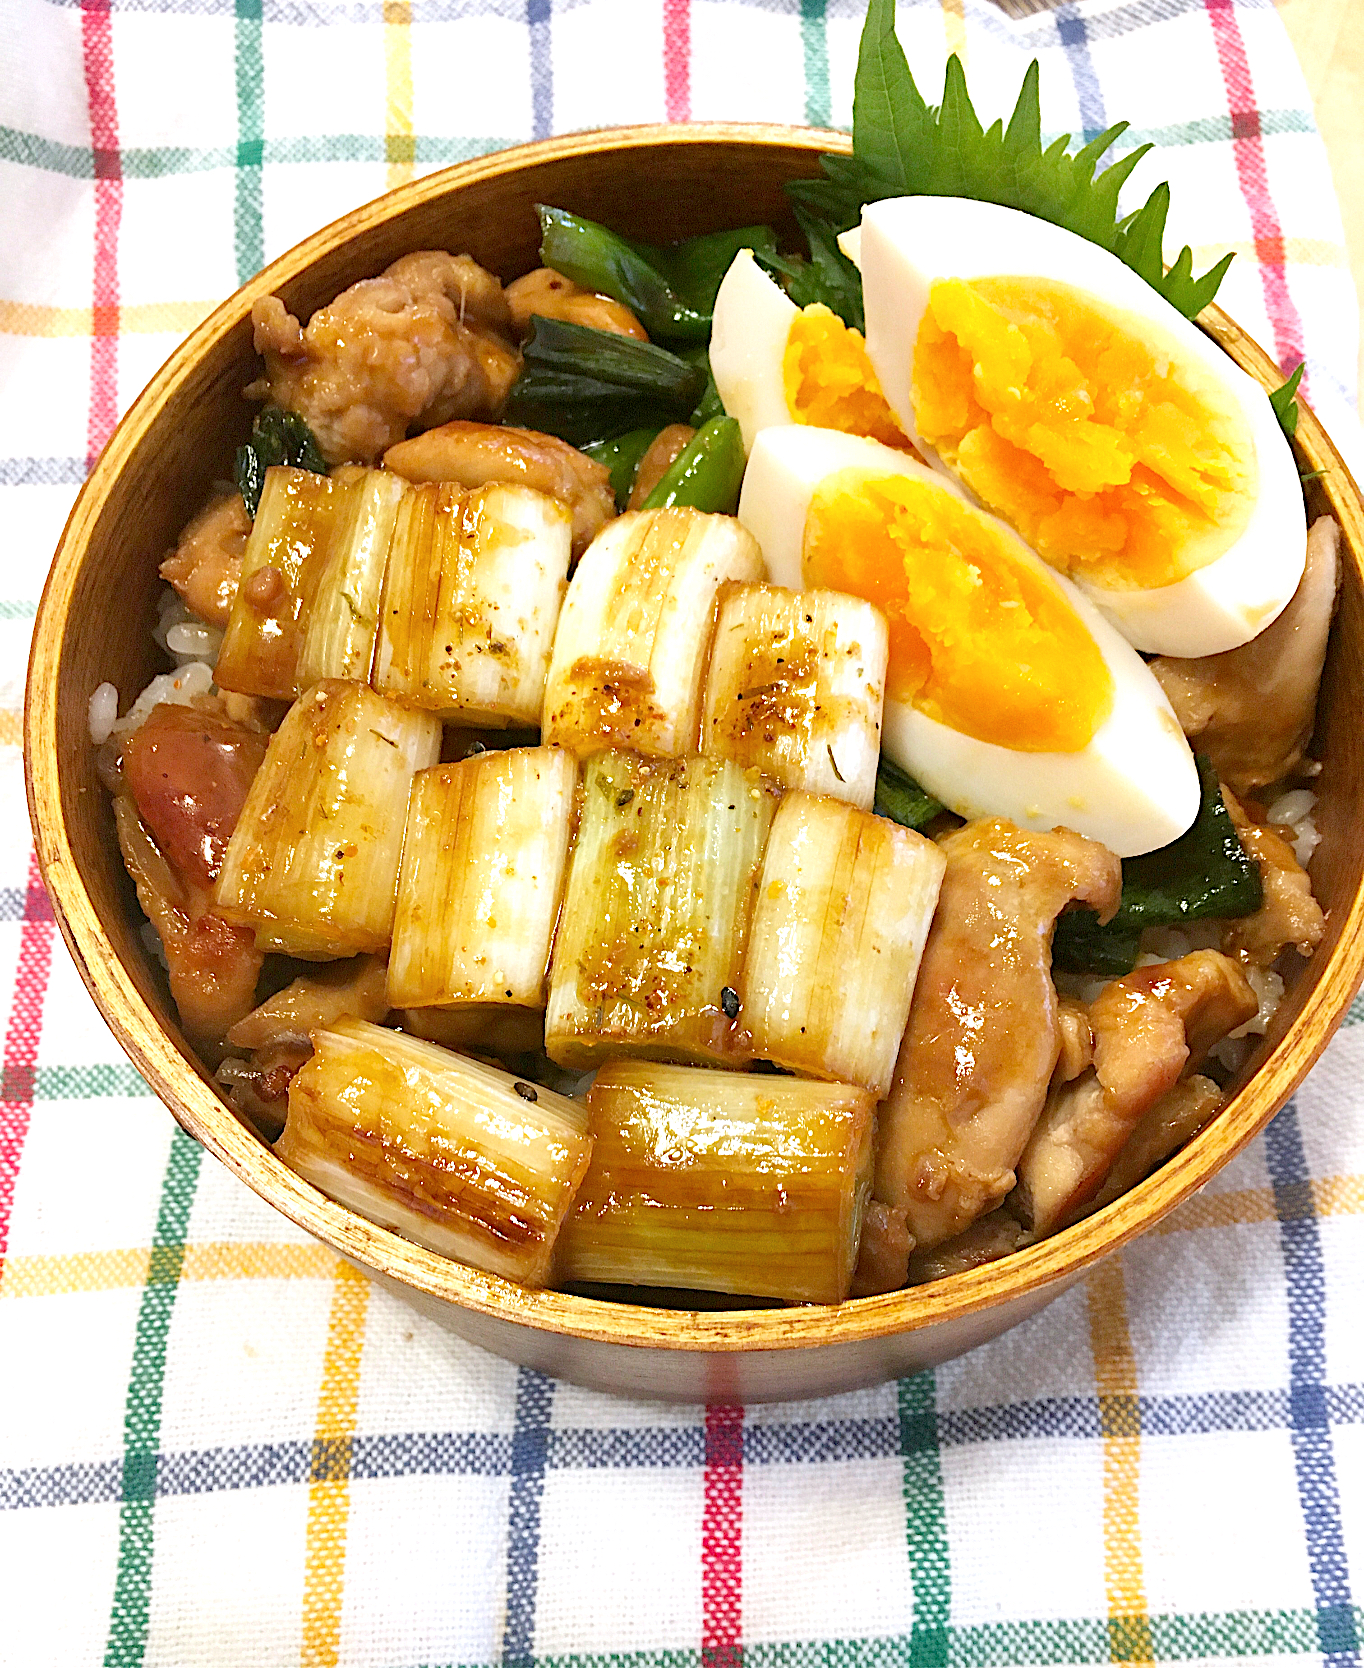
184	1087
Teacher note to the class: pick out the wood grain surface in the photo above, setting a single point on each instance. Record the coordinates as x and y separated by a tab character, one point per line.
94	624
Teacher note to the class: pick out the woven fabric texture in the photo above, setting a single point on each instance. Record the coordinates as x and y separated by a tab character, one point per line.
218	1445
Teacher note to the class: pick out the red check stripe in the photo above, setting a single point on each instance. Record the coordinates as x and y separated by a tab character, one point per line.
21	1041
97	40
677	59
722	1539
1253	174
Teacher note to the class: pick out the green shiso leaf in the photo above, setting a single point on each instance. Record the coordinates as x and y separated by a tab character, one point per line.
1204	874
1285	406
900	798
902	146
586	385
277	436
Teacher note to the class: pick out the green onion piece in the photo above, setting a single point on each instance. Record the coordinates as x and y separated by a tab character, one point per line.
277	436
586	385
900	798
1285	406
621	456
709	405
1204	874
707	473
670	290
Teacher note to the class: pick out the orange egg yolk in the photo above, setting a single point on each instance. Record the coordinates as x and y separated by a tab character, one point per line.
829	381
980	640
1116	455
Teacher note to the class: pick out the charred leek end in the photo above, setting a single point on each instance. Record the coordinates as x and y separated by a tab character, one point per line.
634	637
313	863
656	911
722	1182
468	1161
482	874
307	607
475	580
796	687
845	900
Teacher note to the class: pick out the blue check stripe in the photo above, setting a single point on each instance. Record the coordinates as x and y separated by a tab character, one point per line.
529	1453
535	1450
1073	34
1310	1421
539	17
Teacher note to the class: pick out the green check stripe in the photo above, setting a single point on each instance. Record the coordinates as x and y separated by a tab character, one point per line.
127	1641
77	161
88	1082
1354	1014
154	162
925	1521
248	221
18	610
1216	130
818	109
1075	1642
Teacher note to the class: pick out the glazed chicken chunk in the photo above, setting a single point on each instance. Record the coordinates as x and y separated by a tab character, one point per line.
1252	710
482	454
186	773
983	1035
1149	1028
1289	913
427	341
206	565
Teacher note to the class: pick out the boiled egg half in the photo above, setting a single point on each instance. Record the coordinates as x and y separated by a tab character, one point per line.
1007	692
1075	402
776	363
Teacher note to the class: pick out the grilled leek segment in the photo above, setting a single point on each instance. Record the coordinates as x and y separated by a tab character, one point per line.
634	636
796	687
845	901
471	600
481	878
307	606
468	1161
656	911
313	862
721	1182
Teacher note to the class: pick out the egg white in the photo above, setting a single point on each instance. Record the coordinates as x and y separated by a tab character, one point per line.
906	243
749	329
1134	787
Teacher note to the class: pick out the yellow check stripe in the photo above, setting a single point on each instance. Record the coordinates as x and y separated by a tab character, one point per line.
1331	1196
400	149
1297	251
26	318
329	1490
91	1271
102	1271
954	27
1115	1379
11	728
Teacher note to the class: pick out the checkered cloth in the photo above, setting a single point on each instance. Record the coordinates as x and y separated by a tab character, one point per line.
218	1445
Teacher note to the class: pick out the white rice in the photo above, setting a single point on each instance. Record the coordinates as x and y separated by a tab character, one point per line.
103	713
177	688
1293	810
182	634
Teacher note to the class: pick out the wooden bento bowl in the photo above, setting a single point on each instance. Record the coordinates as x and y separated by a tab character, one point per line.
94	625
